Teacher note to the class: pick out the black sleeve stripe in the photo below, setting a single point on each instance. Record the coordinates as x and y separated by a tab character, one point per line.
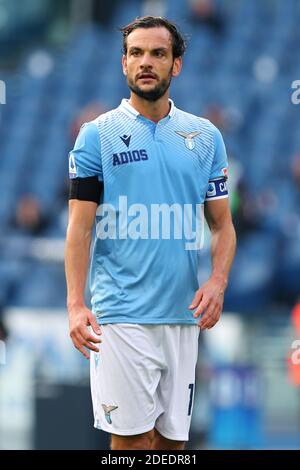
86	189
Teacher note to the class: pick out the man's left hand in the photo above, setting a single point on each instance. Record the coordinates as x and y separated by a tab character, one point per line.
209	300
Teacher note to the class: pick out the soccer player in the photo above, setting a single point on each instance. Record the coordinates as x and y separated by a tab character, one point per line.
140	172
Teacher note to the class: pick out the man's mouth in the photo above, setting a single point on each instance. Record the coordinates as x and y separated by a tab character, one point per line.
146	76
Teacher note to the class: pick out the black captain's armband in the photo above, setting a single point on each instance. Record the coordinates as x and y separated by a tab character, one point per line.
86	189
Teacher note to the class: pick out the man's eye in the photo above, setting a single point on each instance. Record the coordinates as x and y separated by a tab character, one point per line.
159	54
135	53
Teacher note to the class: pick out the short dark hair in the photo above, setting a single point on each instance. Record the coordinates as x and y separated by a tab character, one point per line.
178	41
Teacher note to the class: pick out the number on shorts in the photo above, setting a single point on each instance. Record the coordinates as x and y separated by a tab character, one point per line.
191	387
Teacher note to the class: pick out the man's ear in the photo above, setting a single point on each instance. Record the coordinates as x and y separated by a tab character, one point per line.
124	64
177	66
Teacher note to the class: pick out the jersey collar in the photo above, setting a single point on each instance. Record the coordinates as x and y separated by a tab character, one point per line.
131	112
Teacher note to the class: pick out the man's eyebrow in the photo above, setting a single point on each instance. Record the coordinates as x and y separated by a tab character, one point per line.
160	49
156	49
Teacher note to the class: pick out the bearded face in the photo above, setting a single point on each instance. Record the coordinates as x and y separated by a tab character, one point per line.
149	64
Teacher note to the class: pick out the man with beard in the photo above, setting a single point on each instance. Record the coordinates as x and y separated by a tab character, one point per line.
142	158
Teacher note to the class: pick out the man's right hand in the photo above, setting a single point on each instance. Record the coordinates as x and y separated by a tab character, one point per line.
80	318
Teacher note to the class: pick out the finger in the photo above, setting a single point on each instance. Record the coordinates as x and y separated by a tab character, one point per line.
84	342
204	305
80	348
197	298
208	306
207	316
84	352
88	337
210	319
202	324
85	333
208	324
81	335
88	341
93	322
91	346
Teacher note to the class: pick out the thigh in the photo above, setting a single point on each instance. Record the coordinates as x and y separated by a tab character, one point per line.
136	442
162	443
124	378
177	385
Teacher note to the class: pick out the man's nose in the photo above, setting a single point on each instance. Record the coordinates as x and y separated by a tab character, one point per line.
146	60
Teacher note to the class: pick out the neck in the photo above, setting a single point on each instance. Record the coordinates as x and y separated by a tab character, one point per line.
155	111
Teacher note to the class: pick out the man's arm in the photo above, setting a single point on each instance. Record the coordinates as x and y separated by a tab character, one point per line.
77	254
209	297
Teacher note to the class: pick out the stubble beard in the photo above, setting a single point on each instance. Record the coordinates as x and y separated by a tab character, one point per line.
151	95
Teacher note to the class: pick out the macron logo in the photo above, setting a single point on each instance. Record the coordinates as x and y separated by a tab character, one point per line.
126	139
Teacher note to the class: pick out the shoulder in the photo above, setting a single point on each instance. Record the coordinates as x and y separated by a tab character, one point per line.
90	131
201	124
107	119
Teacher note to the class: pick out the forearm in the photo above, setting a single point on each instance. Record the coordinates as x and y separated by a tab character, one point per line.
77	254
223	244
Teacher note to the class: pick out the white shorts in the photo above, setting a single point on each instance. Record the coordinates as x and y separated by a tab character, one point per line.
144	378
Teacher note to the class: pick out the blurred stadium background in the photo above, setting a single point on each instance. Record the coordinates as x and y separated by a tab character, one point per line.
59	67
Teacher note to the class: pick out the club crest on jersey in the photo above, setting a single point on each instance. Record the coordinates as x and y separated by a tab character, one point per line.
107	410
188	138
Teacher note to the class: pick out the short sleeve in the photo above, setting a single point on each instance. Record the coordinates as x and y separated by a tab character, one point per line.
217	188
85	158
220	162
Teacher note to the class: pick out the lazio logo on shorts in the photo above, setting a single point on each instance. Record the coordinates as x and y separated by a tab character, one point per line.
188	138
107	410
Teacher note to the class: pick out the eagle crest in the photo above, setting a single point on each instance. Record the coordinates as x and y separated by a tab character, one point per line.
188	138
107	410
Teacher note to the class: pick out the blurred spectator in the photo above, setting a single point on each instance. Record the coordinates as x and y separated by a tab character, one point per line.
216	114
86	114
295	167
3	330
29	217
103	12
296	317
204	12
228	119
244	210
292	218
293	360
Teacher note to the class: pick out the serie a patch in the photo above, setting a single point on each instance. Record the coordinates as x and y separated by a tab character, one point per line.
72	166
217	189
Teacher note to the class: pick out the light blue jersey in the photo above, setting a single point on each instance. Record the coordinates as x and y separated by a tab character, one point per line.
156	176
